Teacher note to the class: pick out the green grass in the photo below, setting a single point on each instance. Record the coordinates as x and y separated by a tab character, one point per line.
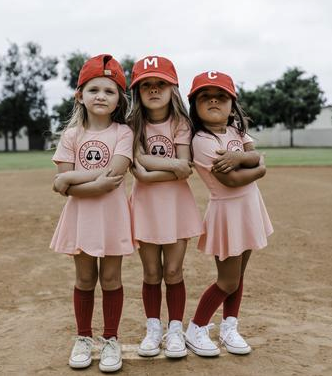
26	160
274	157
298	156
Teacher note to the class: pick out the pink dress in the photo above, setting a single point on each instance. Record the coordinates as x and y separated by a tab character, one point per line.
99	226
164	212
236	218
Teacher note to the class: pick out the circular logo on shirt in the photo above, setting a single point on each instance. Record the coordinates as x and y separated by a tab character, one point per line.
235	145
94	154
160	146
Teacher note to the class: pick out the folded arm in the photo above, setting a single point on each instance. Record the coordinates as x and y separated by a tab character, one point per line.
241	177
183	171
232	160
94	182
179	166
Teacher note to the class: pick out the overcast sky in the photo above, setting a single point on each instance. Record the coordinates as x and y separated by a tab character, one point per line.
254	41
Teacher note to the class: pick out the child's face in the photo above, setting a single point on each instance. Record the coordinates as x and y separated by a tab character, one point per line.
100	96
155	94
213	105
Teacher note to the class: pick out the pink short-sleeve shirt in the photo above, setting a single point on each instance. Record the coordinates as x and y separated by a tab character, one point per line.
163	212
101	225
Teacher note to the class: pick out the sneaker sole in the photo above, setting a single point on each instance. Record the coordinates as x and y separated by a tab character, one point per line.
176	354
80	364
148	353
113	368
201	352
236	350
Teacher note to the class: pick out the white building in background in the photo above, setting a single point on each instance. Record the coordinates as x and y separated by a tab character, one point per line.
323	120
316	134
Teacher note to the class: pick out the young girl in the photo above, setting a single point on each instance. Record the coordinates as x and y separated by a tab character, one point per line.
236	220
94	153
164	212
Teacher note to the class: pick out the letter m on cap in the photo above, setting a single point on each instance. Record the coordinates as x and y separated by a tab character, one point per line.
153	61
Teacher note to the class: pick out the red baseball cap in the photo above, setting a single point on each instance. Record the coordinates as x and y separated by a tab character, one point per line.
154	66
102	66
213	78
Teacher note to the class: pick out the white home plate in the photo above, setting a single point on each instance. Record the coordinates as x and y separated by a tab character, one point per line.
128	352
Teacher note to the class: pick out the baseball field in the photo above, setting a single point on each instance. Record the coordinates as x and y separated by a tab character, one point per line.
286	313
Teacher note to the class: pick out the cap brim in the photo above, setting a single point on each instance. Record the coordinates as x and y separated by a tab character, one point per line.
210	84
165	77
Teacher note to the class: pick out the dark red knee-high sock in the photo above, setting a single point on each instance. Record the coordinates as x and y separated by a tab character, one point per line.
152	300
232	302
83	305
208	304
112	310
176	300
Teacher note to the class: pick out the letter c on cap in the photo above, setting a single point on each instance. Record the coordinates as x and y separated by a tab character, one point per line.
153	61
212	75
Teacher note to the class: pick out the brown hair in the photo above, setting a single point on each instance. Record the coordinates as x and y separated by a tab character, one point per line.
239	120
137	117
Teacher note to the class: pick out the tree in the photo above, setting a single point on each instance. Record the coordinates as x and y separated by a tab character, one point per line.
259	104
73	65
292	100
127	64
299	100
23	94
12	112
12	96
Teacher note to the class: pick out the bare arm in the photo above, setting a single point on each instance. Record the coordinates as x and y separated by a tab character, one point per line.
79	177
251	156
106	181
63	180
231	160
180	166
60	185
142	174
145	176
241	177
67	177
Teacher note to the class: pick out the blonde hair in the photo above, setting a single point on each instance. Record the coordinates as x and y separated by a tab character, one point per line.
79	114
137	117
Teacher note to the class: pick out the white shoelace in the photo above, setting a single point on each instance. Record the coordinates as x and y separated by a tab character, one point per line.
175	336
232	335
110	348
83	345
202	334
152	334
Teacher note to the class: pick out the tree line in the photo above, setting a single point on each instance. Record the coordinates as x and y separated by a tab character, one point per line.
294	99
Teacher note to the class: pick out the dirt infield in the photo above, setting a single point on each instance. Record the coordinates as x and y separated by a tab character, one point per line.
286	311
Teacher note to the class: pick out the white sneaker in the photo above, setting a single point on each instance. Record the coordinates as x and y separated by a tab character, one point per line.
80	356
110	355
150	346
198	340
175	343
230	337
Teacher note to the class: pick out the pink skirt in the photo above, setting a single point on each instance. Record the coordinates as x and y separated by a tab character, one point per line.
99	226
235	225
164	212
